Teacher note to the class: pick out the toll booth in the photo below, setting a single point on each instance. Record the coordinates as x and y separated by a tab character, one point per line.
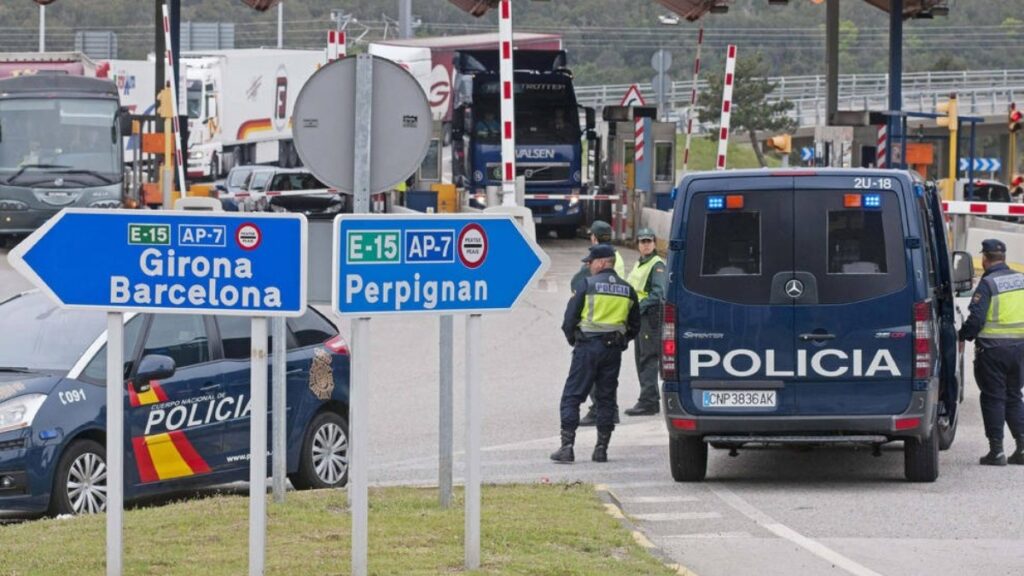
633	178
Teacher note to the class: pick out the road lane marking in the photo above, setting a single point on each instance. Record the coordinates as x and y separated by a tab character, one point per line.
705	536
783	531
658	499
674	516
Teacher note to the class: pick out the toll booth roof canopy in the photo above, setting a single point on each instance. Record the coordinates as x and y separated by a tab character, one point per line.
468	40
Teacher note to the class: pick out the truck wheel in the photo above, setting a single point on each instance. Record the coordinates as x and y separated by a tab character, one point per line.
921	458
688	458
323	462
80	484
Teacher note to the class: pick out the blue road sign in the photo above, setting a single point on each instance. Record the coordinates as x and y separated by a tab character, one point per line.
431	263
982	164
806	154
188	262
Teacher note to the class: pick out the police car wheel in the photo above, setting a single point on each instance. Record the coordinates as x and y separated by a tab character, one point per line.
688	458
947	430
921	458
80	486
324	459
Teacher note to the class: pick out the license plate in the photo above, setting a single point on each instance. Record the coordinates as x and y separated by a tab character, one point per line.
740	399
536	219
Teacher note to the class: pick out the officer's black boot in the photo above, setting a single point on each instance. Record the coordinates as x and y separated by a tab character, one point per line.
565	454
1018	455
995	456
604	435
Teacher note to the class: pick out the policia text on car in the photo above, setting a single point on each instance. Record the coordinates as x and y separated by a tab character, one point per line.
996	323
600	320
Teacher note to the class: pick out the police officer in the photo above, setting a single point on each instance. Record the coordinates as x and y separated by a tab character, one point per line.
648	279
599	322
600	233
996	321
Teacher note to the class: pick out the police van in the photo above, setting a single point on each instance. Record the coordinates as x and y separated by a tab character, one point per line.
810	307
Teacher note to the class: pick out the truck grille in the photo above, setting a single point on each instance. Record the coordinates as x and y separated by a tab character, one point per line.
537	173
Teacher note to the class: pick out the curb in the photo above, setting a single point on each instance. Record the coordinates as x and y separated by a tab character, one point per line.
613	507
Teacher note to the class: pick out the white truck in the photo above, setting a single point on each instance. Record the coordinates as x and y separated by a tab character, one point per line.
240	104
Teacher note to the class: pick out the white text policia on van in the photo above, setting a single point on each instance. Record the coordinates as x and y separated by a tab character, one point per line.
826	363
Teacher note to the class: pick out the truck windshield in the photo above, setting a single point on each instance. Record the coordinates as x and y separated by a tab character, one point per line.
75	138
536	123
194	98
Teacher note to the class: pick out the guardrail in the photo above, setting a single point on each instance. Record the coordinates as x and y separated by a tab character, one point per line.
980	92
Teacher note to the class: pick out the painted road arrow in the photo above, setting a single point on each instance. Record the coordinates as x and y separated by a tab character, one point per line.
167	261
431	263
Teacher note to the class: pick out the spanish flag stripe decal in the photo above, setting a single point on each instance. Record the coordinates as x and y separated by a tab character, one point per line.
147	473
166	458
133	397
188	453
148	397
159	391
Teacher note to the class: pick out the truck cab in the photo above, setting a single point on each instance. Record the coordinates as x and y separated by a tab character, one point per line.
810	307
548	133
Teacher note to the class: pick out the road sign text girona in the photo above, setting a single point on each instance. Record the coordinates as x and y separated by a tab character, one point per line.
158	264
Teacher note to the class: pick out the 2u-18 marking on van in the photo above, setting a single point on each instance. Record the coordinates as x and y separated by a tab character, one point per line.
810	307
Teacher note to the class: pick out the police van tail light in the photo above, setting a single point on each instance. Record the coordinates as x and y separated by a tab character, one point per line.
923	334
337	345
668	343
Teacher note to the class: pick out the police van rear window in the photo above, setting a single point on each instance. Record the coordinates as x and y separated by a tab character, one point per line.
856	243
732	244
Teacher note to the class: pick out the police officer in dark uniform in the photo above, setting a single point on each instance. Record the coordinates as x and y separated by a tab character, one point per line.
996	323
600	233
600	320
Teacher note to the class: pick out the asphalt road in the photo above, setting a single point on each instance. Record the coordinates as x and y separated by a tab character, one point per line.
765	512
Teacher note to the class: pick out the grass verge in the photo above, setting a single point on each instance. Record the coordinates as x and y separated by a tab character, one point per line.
704	153
530	530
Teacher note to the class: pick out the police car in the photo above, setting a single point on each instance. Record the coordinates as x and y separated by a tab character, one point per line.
810	307
186	401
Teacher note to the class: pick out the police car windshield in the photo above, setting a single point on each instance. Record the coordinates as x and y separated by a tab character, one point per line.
36	334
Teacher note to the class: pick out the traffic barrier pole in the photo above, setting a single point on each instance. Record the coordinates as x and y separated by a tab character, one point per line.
723	135
508	115
693	100
172	73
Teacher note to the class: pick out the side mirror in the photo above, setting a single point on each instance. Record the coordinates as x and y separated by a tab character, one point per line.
124	118
155	367
963	272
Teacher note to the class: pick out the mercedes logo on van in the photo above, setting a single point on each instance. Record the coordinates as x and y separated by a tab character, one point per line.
794	288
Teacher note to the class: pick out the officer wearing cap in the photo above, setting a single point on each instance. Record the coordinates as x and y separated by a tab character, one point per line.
996	323
649	281
599	322
600	233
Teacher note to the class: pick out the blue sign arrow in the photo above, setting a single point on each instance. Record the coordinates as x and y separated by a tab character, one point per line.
399	264
143	261
806	154
982	164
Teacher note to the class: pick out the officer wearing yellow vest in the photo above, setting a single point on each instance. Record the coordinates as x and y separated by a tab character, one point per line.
600	233
599	322
996	323
649	281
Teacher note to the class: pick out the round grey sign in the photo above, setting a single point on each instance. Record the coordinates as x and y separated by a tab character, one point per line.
325	119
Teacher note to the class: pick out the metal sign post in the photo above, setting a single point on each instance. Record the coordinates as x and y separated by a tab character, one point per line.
280	407
115	441
445	425
473	419
129	268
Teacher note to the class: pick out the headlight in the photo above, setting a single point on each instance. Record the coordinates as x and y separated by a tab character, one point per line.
574	200
559	207
196	155
19	412
106	204
12	205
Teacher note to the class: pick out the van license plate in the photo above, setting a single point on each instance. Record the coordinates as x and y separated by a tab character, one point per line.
740	399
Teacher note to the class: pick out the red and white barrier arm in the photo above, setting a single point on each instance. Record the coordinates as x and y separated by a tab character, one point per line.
570	196
982	208
172	73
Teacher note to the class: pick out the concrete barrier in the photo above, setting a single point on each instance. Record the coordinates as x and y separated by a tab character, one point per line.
523	217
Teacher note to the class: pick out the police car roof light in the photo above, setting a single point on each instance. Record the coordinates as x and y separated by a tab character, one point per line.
851	200
716	202
734	201
872	200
